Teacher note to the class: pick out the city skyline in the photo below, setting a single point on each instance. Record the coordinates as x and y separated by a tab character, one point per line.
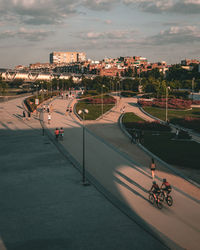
158	30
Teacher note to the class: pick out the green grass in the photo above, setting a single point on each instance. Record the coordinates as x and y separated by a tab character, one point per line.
95	110
175	152
161	113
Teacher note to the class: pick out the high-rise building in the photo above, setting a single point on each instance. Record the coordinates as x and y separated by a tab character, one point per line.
67	57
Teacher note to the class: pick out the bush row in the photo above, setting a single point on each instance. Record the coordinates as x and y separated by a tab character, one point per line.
143	125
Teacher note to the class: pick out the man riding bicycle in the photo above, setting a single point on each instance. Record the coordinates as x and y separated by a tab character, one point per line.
155	189
166	186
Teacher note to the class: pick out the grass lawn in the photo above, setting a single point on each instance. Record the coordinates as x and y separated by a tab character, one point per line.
177	116
95	110
175	152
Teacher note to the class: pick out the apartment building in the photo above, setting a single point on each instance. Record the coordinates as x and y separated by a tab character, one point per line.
67	57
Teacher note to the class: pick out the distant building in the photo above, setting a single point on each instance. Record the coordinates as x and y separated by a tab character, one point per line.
188	62
67	57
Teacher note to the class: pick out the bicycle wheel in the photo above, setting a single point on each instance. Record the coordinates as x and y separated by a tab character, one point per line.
162	196
159	204
151	198
169	200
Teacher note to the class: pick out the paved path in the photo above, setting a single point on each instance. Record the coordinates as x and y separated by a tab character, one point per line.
128	179
43	204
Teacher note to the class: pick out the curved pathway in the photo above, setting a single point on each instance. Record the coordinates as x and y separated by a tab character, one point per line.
127	177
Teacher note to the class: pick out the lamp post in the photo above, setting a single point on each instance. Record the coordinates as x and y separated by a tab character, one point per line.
84	111
193	88
102	99
167	88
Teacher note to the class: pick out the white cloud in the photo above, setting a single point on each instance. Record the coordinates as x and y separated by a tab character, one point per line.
26	34
159	6
176	35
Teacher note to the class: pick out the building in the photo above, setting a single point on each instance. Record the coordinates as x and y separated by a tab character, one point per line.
67	57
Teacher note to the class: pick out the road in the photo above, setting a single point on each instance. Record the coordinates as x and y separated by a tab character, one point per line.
129	182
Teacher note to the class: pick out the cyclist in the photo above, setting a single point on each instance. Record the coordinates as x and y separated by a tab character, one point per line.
166	186
155	189
56	132
61	133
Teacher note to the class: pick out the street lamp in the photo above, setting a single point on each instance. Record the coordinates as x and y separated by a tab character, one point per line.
193	88
102	99
167	88
84	111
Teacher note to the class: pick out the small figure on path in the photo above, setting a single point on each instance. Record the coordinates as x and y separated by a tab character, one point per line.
136	137
56	132
153	168
49	118
177	133
61	133
29	115
24	115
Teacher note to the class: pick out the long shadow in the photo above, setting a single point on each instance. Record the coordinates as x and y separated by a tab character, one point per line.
129	188
132	181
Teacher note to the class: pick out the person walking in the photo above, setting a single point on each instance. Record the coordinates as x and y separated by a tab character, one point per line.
29	115
56	132
153	168
49	118
24	115
61	133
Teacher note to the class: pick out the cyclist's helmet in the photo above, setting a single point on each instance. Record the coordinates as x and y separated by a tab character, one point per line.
154	182
164	180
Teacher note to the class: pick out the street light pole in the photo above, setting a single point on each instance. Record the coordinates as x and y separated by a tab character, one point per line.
102	99
167	103
193	88
84	111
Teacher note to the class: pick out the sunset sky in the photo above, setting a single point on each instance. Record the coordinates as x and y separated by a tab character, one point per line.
166	30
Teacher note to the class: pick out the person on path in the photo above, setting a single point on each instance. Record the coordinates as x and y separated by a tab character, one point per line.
136	136
56	132
61	133
24	115
153	168
49	118
29	115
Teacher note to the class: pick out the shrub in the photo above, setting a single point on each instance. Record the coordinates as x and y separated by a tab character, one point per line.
172	103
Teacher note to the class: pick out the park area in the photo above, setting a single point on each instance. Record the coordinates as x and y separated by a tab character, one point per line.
96	106
180	112
161	141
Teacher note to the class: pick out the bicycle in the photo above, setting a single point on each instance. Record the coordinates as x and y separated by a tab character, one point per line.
155	198
165	196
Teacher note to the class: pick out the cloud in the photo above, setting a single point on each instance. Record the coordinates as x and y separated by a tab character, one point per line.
38	11
26	34
108	35
100	4
173	6
176	35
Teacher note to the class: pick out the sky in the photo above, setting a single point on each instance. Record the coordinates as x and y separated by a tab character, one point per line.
160	30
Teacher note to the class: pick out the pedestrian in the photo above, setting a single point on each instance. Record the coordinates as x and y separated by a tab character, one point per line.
132	136
70	109
61	133
49	118
141	136
153	168
177	133
29	115
56	132
48	110
136	137
24	115
67	111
